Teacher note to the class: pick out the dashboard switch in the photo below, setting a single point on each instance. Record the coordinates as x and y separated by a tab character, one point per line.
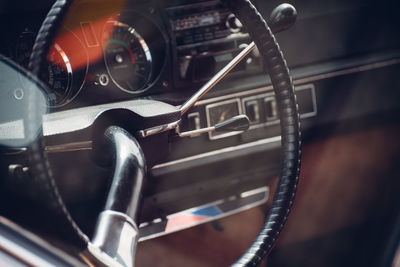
252	111
222	111
194	121
271	109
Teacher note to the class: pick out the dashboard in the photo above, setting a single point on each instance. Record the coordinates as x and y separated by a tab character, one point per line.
122	51
118	52
109	54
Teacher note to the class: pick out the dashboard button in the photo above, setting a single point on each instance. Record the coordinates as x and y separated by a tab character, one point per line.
306	100
252	111
271	109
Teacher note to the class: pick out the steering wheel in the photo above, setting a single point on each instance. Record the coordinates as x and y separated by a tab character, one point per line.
289	122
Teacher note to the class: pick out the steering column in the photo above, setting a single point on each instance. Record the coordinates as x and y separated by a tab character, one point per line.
116	231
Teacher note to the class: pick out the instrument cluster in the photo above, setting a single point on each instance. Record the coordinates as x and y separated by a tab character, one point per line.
102	55
109	51
61	75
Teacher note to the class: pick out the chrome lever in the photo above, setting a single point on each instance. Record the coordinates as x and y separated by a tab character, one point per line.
238	123
282	17
216	78
116	233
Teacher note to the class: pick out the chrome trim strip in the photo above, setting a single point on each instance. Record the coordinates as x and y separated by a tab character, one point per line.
253	192
22	254
380	64
69	147
26	256
81	118
361	68
300	81
234	95
275	139
157	129
232	211
211	135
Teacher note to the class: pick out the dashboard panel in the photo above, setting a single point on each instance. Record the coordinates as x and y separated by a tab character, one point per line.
118	51
186	43
109	53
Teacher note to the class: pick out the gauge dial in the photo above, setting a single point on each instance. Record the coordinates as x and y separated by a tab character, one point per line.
59	72
58	75
63	82
127	57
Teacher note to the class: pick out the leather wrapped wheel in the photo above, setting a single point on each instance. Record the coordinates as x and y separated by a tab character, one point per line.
289	120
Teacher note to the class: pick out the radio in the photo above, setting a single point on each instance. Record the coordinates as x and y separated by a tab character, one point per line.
206	36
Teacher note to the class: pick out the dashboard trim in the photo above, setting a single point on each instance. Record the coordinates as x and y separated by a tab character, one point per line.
310	79
69	147
157	129
225	150
86	145
150	230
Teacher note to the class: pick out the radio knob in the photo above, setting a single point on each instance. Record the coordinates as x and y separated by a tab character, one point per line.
233	24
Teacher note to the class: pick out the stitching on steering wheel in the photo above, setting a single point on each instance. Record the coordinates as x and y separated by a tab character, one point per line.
289	119
39	163
290	127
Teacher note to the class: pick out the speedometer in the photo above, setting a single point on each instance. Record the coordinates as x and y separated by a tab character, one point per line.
127	57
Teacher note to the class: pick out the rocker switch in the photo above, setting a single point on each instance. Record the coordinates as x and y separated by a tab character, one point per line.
252	111
271	109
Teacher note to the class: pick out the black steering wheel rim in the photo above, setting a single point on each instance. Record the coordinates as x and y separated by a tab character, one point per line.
287	109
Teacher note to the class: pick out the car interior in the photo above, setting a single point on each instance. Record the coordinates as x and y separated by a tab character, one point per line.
200	133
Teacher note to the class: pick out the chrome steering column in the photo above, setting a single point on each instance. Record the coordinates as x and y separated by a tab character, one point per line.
116	232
